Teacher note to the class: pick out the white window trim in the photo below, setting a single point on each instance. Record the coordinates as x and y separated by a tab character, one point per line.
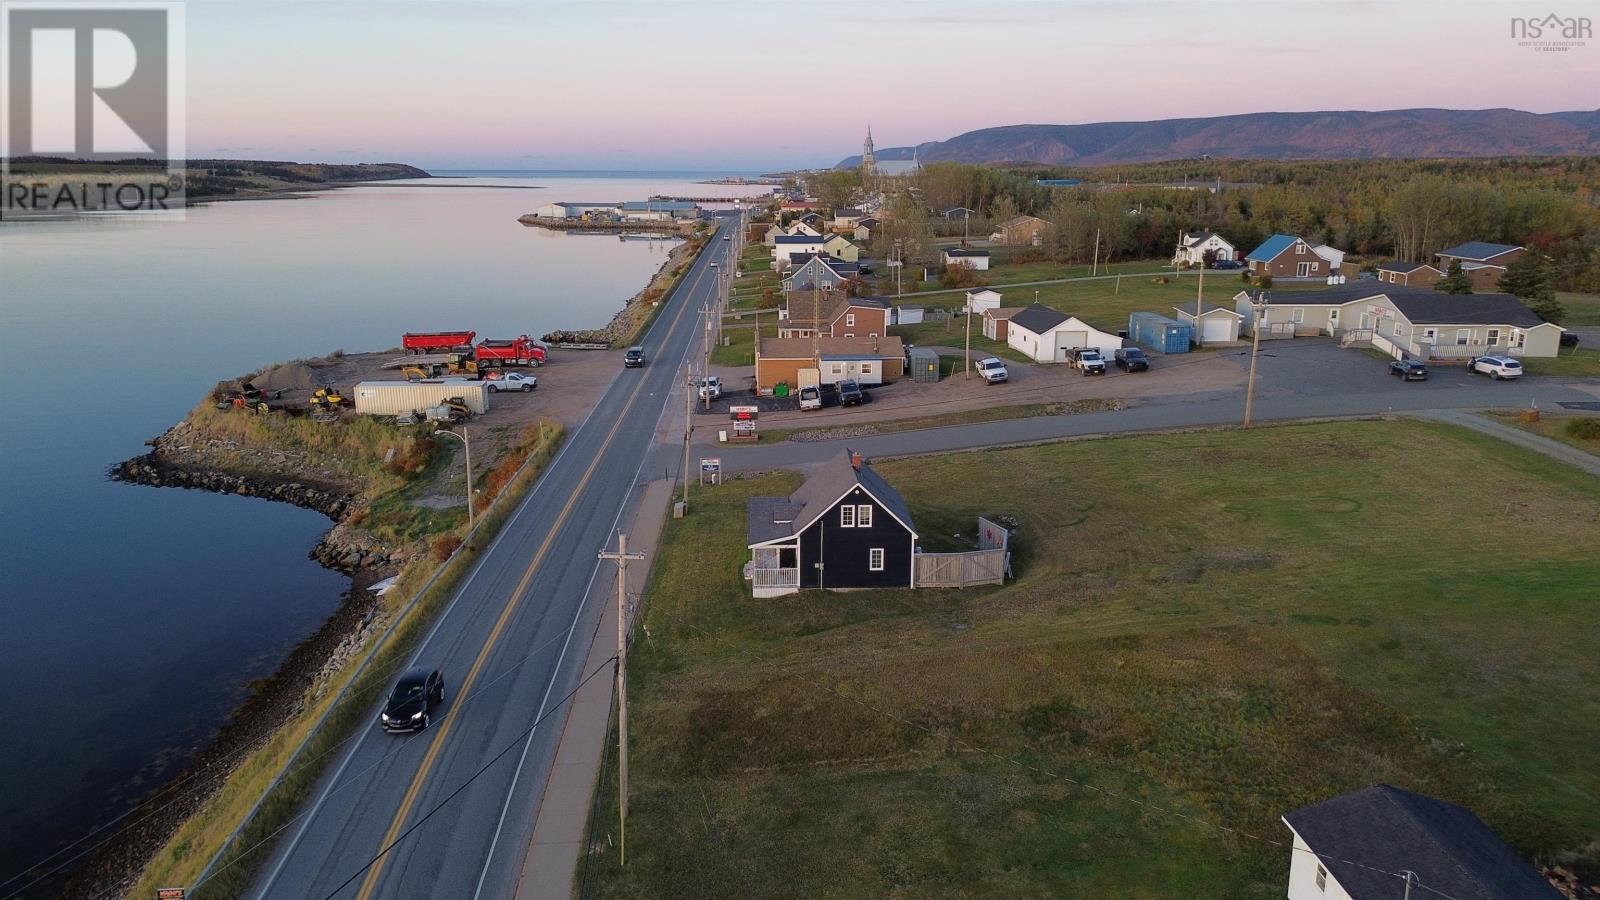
866	368
875	559
1493	337
847	516
1463	337
850	320
864	515
1298	315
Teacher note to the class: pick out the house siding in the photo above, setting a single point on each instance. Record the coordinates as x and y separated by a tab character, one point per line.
844	552
1303	876
1287	263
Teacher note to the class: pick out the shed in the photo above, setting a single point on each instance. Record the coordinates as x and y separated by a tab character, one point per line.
1216	324
924	364
1159	333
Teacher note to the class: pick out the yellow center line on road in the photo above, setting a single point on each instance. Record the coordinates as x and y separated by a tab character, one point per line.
370	883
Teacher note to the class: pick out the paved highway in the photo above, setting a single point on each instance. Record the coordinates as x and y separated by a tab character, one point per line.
510	644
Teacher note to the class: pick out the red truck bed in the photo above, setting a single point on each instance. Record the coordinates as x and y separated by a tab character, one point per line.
424	341
522	351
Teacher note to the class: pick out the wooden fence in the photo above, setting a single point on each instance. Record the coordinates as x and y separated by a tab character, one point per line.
989	564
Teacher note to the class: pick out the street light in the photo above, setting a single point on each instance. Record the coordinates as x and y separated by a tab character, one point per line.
468	445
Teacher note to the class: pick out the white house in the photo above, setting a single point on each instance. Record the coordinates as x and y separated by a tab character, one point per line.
1047	336
800	227
1333	255
978	259
773	232
786	245
1410	321
1214	325
980	300
1358	846
1193	246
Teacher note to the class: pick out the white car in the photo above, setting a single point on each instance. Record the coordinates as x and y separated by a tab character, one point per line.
710	388
992	370
511	381
1496	367
810	398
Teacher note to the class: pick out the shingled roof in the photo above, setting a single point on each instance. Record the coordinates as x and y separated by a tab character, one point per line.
1478	250
1038	319
770	518
1383	829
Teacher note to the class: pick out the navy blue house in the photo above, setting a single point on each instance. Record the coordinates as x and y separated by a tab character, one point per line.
844	528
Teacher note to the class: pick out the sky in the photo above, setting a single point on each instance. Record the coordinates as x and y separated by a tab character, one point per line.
761	85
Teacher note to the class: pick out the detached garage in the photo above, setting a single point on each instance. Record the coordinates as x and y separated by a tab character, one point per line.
1215	324
1048	336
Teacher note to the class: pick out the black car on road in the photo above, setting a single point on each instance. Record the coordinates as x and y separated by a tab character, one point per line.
851	394
1408	370
634	358
410	705
1132	359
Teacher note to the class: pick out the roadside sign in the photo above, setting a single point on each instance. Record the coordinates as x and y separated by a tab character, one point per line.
169	893
711	470
743	413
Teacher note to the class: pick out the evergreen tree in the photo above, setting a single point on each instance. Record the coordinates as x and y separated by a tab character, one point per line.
1530	278
1455	281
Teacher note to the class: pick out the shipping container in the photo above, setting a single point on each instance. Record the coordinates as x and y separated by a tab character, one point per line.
1156	332
396	398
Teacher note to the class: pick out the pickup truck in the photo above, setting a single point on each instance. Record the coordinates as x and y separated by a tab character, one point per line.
1089	361
511	381
851	394
710	388
993	370
810	398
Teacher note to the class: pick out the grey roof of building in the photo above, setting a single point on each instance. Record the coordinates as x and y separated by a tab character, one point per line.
659	205
965	251
869	221
579	203
847	211
1422	305
1478	250
1206	309
799	239
1038	319
816	496
1395	265
1393	830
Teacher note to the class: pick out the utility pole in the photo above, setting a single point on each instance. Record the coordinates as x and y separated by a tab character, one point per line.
967	375
1094	263
1256	311
688	428
622	556
1410	875
1199	294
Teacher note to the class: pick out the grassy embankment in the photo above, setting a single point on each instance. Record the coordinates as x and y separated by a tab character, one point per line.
1226	625
358	448
1582	432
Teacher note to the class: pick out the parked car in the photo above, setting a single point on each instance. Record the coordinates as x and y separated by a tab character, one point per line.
993	370
511	381
1089	360
1227	264
1408	370
411	703
634	358
1496	367
710	387
810	398
1131	359
1568	339
727	237
851	394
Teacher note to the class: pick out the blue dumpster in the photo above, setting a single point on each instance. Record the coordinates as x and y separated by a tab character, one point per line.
1159	333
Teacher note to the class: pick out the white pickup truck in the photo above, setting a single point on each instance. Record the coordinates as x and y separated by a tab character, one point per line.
710	388
1089	360
993	370
511	381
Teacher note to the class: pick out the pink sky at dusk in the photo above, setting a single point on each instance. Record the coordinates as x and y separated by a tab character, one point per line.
751	85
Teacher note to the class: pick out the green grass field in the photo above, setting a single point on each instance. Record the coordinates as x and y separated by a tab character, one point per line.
1553	427
1583	310
1226	625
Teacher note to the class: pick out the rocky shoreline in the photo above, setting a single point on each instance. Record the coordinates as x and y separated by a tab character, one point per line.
175	462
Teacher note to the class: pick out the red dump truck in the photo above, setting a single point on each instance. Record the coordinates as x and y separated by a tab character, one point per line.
436	341
521	351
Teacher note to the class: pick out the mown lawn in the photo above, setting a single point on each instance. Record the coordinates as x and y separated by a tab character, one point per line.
1556	427
1583	310
1577	362
1226	625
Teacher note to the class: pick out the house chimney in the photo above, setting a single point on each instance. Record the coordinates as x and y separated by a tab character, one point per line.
855	460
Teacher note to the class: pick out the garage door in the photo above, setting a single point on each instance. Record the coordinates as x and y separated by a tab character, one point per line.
1068	341
1215	330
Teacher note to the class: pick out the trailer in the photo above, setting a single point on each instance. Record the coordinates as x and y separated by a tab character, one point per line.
396	398
437	341
520	351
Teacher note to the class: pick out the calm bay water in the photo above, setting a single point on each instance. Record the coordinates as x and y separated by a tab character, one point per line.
132	618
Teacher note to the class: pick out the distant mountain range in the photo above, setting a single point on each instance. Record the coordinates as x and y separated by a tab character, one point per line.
1352	134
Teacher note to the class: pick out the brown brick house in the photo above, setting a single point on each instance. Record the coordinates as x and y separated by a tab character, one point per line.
836	315
1483	262
1284	256
1414	274
867	360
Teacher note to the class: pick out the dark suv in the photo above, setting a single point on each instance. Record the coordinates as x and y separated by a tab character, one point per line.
634	358
1132	359
1408	370
411	703
851	394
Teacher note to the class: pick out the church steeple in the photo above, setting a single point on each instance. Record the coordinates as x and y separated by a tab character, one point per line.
869	163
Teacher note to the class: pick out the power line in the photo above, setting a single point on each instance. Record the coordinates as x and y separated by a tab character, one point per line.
471	778
1108	794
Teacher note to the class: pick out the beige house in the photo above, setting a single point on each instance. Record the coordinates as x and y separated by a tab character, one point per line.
839	247
1022	230
1414	322
868	360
